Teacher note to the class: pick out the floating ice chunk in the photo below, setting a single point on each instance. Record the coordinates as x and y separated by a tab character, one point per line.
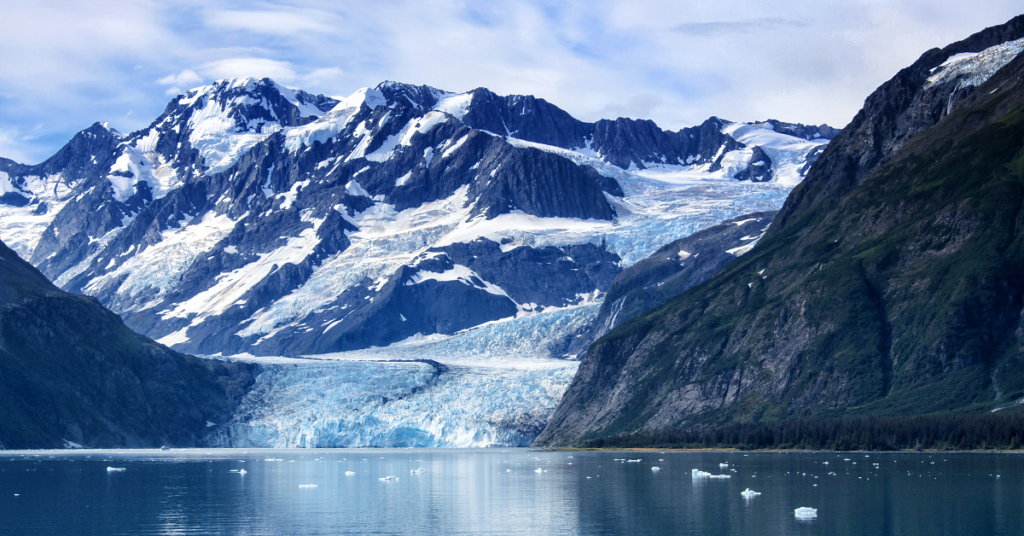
697	473
307	485
806	513
115	469
723	465
719	476
389	478
419	471
350	473
633	461
538	470
655	469
749	493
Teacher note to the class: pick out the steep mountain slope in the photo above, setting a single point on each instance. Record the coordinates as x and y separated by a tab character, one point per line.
254	218
675	268
889	284
70	371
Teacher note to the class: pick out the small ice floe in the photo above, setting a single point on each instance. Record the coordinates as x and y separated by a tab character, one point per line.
749	493
655	469
697	473
307	485
723	465
388	478
419	471
638	460
538	470
19	495
239	471
806	513
508	470
115	469
165	447
350	473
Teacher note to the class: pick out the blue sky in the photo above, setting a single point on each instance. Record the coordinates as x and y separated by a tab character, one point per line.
68	64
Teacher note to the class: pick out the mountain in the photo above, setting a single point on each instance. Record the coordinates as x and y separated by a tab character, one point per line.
254	218
72	373
889	284
673	269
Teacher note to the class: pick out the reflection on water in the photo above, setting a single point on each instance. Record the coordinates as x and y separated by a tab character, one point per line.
512	491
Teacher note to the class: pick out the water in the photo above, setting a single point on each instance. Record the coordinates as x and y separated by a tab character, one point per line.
499	492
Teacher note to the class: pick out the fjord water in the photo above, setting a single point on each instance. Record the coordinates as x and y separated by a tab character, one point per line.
502	492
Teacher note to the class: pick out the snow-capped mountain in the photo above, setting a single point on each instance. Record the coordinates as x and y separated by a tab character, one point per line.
254	218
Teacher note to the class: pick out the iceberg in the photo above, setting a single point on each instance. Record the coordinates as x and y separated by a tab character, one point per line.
806	513
389	478
115	469
655	469
749	493
307	485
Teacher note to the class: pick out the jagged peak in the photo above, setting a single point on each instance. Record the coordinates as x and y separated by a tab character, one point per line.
421	96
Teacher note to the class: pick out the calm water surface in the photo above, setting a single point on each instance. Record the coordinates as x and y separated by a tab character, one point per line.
501	492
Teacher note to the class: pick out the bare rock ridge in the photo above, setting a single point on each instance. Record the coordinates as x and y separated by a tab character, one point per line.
889	284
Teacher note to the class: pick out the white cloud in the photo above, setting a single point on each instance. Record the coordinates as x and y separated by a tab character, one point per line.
280	71
188	77
67	64
276	22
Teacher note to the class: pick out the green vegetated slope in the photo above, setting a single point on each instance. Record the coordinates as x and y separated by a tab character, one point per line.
71	371
898	294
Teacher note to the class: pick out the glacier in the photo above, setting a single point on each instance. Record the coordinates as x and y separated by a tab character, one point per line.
492	385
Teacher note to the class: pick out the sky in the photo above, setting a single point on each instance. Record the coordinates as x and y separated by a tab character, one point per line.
67	64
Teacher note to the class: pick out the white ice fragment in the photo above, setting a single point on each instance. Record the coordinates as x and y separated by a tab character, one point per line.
350	473
749	493
389	478
655	469
308	485
115	469
806	513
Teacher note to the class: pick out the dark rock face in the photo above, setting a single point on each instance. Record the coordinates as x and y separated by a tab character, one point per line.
674	269
888	290
445	290
759	168
70	370
807	132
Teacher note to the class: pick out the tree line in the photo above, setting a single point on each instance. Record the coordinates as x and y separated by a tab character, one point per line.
943	432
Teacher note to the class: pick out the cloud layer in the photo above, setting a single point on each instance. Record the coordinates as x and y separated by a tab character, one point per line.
69	64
